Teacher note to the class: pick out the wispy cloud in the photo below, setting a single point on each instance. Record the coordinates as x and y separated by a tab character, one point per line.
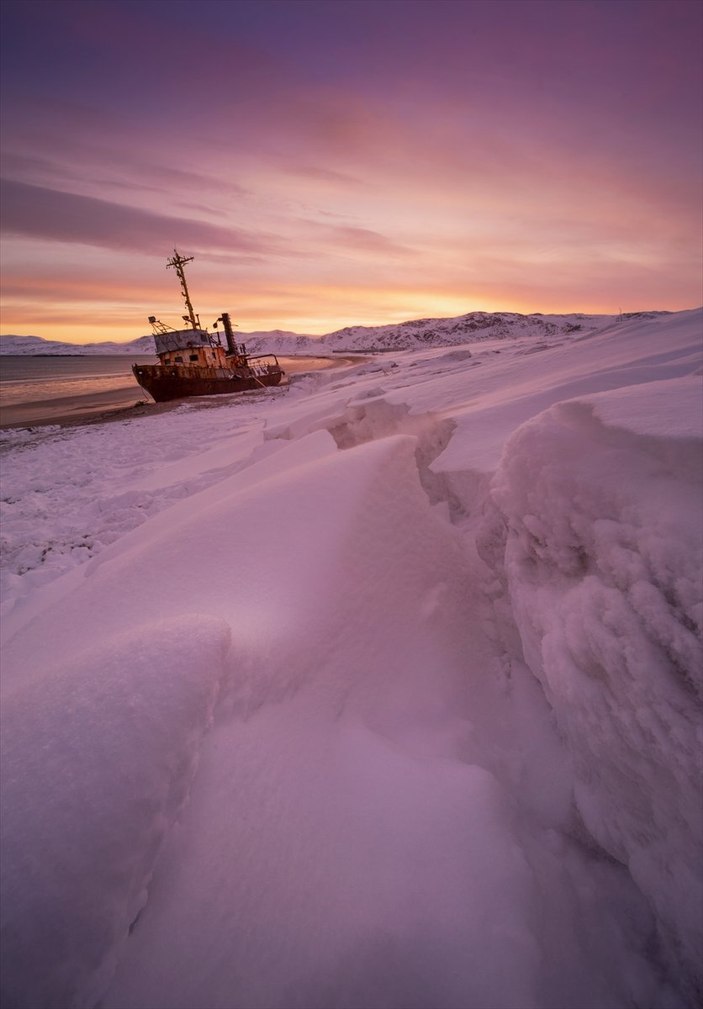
66	217
367	240
324	175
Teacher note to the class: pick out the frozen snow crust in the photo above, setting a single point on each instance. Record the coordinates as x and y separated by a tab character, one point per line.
382	690
603	560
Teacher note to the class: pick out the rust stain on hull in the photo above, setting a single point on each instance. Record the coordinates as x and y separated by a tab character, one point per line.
165	382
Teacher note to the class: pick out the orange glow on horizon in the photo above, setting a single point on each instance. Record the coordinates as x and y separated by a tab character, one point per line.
92	320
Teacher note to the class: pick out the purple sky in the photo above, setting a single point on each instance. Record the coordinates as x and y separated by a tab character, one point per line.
347	162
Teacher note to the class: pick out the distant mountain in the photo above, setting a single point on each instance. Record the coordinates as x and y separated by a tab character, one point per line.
411	335
37	345
466	328
279	341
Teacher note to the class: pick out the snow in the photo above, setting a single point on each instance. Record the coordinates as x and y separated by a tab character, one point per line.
108	777
381	690
604	553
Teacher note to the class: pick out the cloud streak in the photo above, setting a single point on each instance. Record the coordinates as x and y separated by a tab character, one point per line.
53	215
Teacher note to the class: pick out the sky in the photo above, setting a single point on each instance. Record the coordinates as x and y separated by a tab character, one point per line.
339	163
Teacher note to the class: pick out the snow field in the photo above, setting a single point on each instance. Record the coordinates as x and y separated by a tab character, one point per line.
354	711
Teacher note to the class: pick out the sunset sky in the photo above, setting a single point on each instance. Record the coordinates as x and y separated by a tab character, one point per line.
334	163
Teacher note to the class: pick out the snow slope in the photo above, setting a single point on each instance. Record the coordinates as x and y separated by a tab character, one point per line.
377	691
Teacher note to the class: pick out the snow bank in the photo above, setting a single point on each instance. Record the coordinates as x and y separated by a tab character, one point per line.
602	503
98	752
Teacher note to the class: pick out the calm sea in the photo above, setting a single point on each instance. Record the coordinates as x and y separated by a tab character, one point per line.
29	379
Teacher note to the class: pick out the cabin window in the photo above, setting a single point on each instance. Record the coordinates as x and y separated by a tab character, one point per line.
178	359
193	357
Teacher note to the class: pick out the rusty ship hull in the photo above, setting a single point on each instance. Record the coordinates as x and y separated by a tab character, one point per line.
167	382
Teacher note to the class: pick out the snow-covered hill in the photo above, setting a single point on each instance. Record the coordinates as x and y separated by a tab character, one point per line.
471	327
37	345
411	335
278	341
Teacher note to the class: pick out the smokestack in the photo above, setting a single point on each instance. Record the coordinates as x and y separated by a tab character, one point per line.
229	333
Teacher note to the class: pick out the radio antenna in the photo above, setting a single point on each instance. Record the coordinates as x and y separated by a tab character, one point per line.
178	262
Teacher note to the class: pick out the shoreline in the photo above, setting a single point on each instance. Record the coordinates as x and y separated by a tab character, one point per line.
126	403
69	411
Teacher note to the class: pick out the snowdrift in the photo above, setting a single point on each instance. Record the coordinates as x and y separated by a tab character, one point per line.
601	501
88	796
377	691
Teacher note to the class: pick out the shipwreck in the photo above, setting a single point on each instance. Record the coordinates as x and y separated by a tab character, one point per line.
193	361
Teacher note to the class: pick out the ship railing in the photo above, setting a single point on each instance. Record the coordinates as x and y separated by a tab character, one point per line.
264	363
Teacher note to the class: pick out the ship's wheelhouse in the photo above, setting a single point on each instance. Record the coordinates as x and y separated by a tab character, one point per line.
181	340
189	346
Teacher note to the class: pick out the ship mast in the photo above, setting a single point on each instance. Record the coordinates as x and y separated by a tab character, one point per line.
178	262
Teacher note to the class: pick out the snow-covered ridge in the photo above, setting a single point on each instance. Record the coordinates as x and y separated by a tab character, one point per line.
466	328
37	345
411	335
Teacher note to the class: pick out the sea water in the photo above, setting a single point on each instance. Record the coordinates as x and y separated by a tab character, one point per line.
28	379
